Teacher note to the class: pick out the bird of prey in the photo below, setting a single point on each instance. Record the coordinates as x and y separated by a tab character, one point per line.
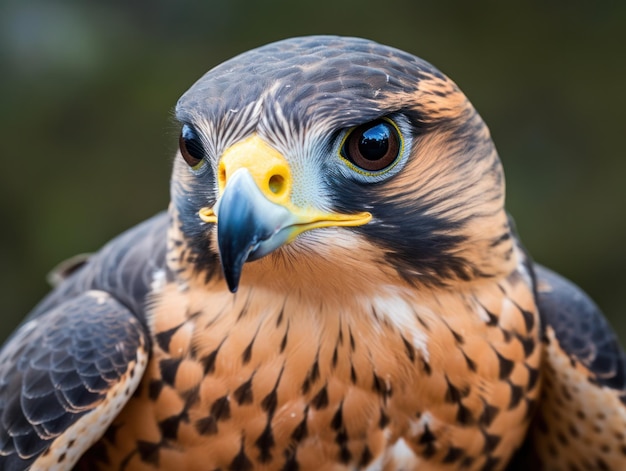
336	285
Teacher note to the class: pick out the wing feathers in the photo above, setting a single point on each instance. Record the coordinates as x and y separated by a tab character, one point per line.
581	330
69	360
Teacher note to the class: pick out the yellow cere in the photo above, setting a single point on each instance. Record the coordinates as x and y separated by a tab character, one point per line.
268	168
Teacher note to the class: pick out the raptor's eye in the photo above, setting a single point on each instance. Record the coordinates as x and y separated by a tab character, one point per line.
191	146
373	146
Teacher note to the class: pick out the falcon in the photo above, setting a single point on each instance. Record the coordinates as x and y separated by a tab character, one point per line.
336	285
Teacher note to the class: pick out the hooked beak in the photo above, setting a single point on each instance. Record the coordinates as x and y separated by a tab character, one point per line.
254	212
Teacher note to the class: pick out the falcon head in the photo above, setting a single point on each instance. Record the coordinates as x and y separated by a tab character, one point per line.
337	160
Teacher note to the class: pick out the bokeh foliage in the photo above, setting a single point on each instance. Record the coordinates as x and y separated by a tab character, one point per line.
87	136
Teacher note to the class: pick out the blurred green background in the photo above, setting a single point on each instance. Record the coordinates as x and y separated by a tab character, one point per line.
87	91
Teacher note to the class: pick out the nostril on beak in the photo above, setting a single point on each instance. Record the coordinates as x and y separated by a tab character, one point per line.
276	184
221	175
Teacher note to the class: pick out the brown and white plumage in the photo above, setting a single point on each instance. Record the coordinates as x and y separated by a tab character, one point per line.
336	285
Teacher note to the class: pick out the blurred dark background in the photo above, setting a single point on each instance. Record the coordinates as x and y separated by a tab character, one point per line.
87	136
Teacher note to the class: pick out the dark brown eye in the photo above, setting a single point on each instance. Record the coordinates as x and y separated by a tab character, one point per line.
190	146
372	146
